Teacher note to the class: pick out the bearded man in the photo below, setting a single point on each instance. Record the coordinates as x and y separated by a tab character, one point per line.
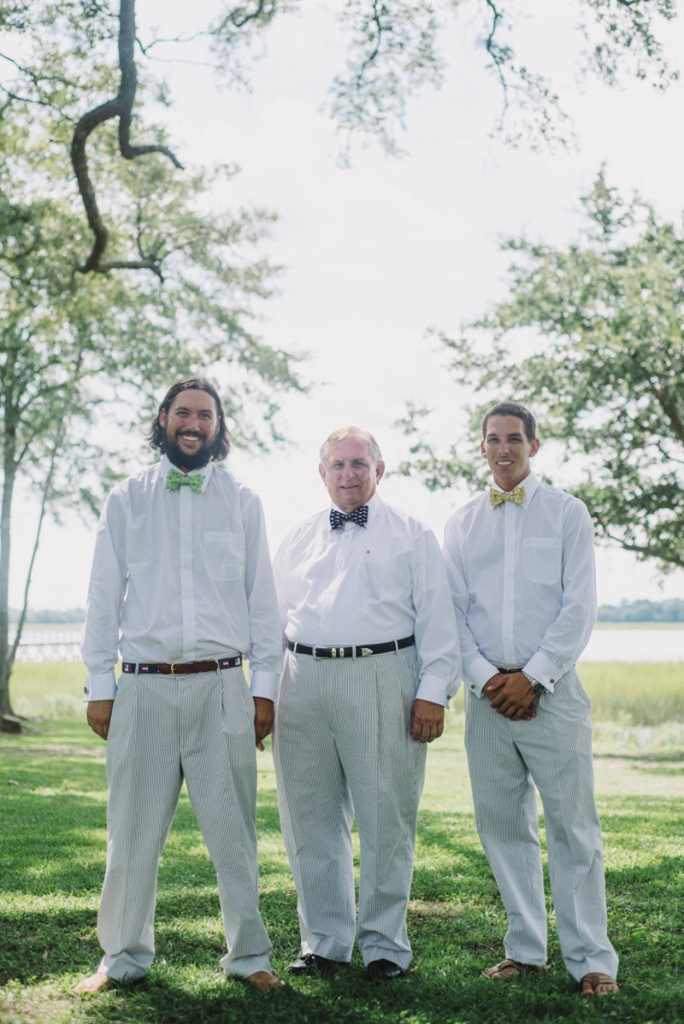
182	587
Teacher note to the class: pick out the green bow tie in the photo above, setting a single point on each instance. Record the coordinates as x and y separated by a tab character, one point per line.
174	480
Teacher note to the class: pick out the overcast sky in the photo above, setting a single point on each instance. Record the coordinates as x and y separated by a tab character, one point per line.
378	253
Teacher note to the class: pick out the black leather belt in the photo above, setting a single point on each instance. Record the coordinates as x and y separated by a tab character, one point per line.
508	671
180	668
351	652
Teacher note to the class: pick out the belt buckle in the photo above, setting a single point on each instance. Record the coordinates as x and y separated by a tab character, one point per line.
173	667
315	656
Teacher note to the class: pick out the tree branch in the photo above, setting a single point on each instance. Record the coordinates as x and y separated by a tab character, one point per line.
494	50
122	107
647	550
239	16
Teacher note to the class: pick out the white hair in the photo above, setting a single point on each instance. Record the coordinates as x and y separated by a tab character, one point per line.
345	432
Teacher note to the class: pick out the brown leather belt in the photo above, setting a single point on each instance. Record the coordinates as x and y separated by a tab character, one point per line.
180	668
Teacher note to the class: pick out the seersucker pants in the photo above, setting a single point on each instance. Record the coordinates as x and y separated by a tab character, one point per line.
165	729
552	752
342	746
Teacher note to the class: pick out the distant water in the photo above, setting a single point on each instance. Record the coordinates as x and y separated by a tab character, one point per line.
616	643
635	643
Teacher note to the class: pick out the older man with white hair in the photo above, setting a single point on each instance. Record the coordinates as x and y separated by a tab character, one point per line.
372	658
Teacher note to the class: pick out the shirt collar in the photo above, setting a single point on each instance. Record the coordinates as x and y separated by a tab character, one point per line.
373	503
165	465
530	483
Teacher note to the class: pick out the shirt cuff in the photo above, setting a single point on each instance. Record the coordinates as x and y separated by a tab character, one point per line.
100	686
477	674
264	684
434	689
543	670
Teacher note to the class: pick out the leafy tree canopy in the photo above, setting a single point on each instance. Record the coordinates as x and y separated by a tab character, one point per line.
72	345
395	47
605	376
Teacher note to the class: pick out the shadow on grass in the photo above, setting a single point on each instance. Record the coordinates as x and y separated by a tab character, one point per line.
53	850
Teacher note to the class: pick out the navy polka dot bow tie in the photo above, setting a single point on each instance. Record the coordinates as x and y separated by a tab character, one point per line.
337	519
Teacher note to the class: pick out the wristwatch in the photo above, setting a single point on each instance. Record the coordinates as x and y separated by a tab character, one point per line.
536	687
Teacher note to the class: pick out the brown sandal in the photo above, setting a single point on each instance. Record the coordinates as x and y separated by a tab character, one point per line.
597	981
511	969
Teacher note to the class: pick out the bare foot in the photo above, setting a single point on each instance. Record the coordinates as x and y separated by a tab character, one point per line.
95	983
598	984
263	980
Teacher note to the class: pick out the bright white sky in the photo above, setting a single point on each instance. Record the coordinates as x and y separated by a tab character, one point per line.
378	253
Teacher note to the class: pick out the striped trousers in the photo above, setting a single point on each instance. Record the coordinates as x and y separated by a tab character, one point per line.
342	747
165	729
552	752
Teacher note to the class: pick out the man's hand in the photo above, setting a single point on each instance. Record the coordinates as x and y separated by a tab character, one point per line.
99	716
427	721
510	695
264	713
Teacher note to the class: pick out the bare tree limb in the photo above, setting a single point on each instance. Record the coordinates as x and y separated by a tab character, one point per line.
240	16
173	39
122	107
494	50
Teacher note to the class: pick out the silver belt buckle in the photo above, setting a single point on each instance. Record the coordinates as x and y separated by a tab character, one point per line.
365	651
335	652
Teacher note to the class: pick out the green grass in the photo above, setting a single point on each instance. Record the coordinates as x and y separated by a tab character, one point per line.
51	690
52	853
639	625
632	694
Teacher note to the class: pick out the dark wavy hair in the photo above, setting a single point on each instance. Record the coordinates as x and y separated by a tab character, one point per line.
512	409
157	435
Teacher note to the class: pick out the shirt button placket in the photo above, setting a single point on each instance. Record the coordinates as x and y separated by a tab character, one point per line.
187	589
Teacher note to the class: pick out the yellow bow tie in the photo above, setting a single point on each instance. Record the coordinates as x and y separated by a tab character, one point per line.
517	495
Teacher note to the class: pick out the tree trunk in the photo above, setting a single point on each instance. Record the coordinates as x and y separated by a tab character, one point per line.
7	653
10	472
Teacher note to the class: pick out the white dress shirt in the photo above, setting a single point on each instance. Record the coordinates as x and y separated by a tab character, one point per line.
181	577
523	582
369	584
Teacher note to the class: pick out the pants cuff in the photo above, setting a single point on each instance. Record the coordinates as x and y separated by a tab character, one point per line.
402	957
122	967
243	966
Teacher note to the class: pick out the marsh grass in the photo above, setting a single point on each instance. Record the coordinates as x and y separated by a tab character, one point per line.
52	853
629	693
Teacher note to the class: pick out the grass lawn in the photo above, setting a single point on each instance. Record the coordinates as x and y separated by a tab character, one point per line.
52	854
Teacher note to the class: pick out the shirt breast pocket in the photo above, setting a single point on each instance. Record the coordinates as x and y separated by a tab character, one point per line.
388	574
542	559
224	555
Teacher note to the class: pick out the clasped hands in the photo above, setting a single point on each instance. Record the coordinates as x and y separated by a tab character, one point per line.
510	694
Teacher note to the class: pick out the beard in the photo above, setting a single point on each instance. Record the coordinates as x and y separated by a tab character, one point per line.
181	460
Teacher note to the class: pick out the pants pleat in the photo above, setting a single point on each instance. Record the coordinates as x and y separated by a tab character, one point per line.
165	729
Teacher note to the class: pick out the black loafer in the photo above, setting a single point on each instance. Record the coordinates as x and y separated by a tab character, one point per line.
384	969
310	962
